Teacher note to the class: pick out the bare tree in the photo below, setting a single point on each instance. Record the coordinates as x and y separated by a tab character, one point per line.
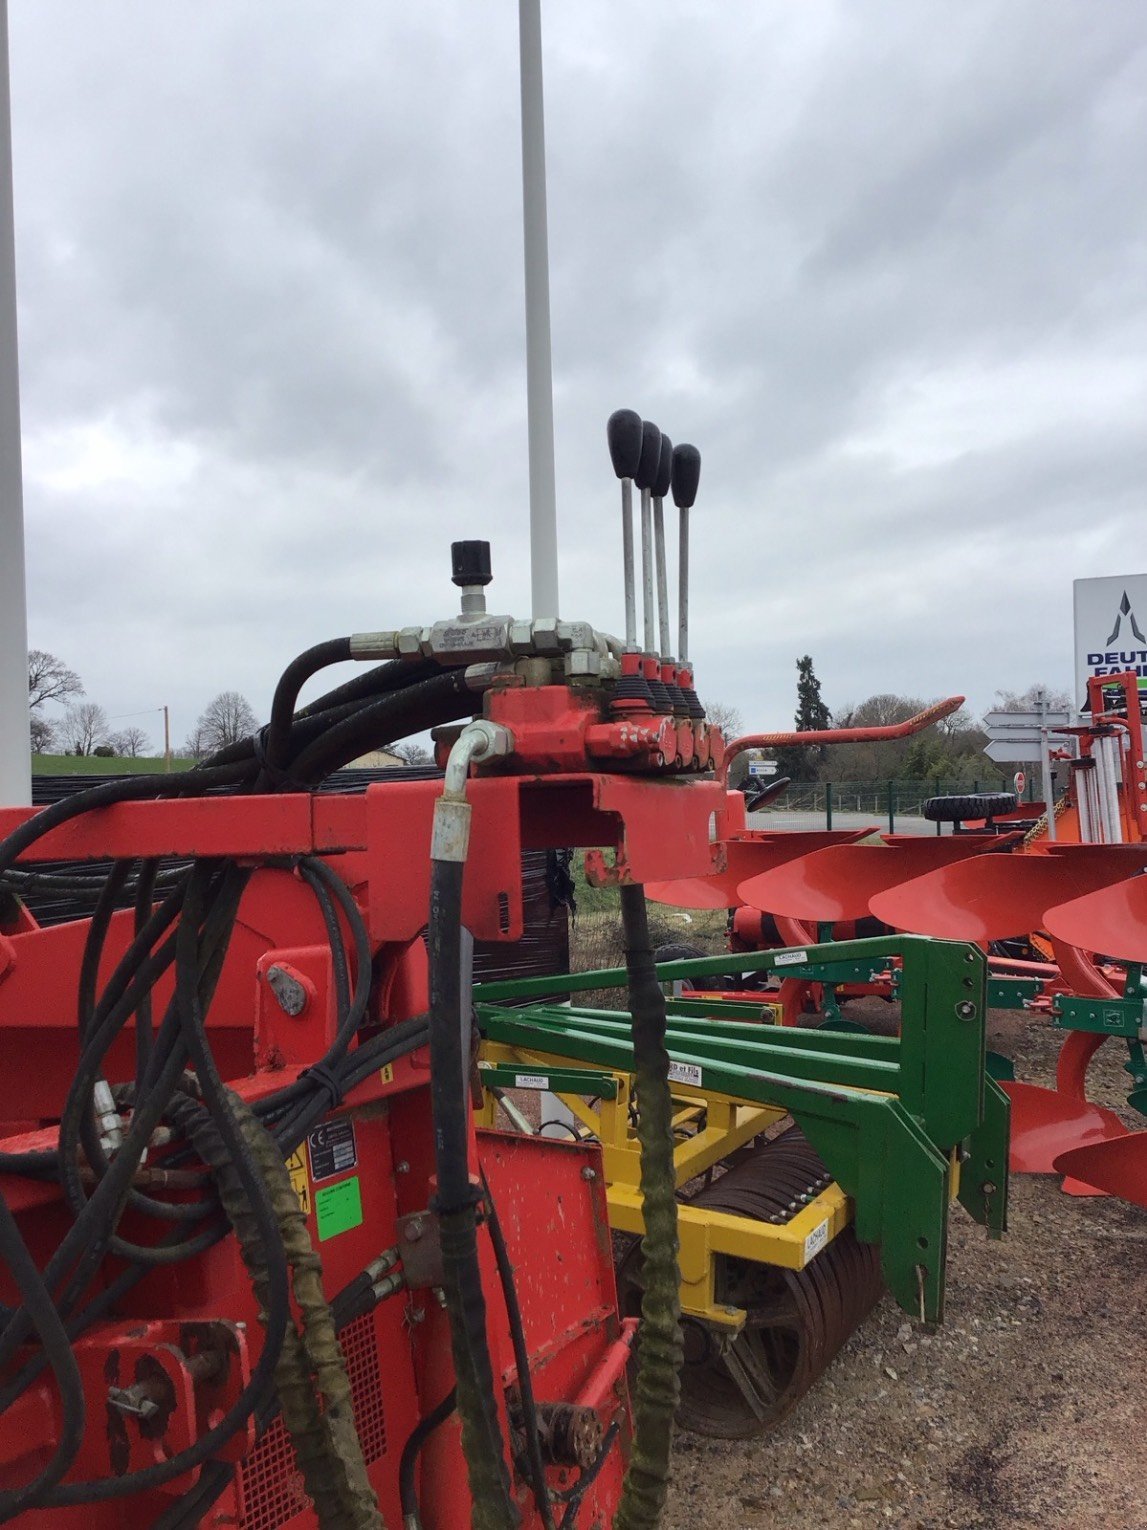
226	719
50	679
84	728
726	719
1027	701
130	742
413	753
43	734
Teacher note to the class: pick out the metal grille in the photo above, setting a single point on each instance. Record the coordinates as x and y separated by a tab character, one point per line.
271	1491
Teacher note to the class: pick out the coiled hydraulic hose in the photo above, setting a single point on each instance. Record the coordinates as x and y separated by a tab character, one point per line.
458	1197
659	1343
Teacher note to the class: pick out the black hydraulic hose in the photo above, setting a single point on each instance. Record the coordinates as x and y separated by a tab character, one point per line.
417	1438
144	1034
310	721
291	682
47	1323
573	1496
278	1315
521	1359
659	1342
456	1205
441	699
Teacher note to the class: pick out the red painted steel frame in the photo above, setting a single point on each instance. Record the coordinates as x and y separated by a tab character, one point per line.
398	1355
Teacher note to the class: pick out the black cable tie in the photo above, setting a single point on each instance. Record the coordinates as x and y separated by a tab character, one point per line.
325	1079
474	1197
278	777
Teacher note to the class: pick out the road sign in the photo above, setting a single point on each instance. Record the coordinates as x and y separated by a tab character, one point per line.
1019	781
1008	722
762	767
1011	750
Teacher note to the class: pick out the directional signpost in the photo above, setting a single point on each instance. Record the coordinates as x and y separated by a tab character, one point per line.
1014	738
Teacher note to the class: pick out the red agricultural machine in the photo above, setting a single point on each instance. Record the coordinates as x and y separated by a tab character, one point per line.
1057	905
271	1258
259	1267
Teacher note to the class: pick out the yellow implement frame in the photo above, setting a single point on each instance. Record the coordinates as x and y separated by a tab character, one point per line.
708	1127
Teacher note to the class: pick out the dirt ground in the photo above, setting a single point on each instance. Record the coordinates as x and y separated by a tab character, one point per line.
1024	1409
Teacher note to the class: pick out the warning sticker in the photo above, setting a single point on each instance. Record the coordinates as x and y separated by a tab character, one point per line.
685	1073
386	1073
338	1208
815	1241
791	958
531	1081
332	1148
300	1183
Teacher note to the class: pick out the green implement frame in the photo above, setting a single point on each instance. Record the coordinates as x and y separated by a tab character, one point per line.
902	1123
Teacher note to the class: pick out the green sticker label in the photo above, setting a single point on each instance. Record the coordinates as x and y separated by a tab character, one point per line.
338	1208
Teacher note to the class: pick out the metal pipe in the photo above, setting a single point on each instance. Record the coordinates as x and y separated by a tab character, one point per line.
627	561
1110	781
683	588
15	748
539	363
662	581
647	570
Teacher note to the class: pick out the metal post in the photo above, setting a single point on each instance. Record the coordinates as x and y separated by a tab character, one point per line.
15	746
166	740
1045	766
892	807
539	364
647	571
828	804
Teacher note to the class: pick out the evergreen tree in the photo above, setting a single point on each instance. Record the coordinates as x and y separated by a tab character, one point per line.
801	763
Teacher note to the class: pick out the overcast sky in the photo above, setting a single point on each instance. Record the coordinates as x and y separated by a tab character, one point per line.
883	262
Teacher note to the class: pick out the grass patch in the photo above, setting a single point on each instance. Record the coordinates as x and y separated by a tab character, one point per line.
102	765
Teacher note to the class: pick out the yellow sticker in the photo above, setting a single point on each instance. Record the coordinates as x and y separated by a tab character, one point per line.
300	1181
386	1073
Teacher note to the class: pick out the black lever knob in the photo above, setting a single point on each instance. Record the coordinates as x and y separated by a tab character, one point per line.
686	475
664	468
650	455
470	562
623	431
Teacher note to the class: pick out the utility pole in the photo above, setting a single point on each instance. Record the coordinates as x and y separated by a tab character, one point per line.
15	746
539	365
166	740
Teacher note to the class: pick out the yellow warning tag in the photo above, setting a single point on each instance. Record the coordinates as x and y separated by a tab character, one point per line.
386	1073
300	1181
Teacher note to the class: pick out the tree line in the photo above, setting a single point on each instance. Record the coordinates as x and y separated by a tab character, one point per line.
63	721
951	750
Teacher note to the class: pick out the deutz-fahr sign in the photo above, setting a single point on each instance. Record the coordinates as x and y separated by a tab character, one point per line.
1110	629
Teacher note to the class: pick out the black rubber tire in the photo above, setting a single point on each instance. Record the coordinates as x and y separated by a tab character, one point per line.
958	809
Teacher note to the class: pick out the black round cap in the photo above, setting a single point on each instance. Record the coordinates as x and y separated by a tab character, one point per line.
686	475
623	432
664	468
650	455
470	562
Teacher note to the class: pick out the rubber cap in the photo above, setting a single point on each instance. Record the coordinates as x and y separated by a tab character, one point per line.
686	475
470	562
623	433
650	455
664	468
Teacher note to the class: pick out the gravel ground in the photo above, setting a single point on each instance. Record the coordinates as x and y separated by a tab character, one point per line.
1023	1409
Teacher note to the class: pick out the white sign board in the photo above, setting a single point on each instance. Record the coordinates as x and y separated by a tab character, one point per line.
1110	629
762	767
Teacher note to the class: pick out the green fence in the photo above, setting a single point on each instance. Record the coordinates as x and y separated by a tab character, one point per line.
887	804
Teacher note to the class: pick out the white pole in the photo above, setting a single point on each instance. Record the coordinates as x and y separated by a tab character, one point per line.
539	366
1045	766
15	749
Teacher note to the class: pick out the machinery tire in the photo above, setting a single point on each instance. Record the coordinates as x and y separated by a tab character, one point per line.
956	809
797	1319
